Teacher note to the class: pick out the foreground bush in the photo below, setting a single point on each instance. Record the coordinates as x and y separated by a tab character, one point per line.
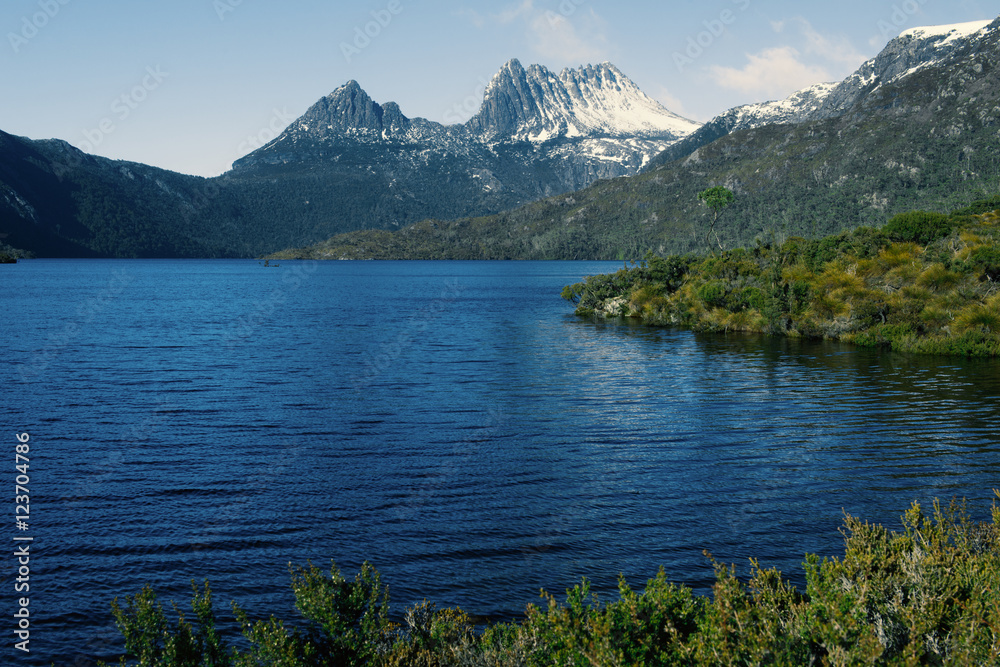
929	595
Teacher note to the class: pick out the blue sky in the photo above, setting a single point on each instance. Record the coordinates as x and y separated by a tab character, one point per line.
192	85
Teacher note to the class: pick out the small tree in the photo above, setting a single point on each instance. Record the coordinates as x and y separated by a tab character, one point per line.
717	199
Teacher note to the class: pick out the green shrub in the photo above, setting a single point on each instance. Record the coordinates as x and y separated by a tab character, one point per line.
862	243
730	265
920	227
980	207
669	271
985	262
149	638
938	277
713	293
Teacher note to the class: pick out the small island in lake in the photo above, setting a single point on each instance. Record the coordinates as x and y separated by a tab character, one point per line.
925	282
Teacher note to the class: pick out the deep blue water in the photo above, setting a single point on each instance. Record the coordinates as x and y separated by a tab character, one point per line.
452	422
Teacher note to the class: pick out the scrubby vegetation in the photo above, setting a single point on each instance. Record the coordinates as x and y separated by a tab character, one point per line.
929	595
924	282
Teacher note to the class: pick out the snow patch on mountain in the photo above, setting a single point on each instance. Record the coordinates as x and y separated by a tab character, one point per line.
536	105
793	109
947	33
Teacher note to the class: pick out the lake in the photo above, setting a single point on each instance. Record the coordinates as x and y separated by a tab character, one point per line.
451	422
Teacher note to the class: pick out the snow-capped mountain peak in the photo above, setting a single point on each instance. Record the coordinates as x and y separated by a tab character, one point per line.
946	33
536	105
575	127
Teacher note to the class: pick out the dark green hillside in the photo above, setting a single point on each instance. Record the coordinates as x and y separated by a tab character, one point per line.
61	202
930	141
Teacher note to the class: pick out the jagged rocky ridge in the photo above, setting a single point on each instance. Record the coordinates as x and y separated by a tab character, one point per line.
593	121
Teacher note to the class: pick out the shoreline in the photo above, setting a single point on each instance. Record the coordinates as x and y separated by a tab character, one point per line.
924	283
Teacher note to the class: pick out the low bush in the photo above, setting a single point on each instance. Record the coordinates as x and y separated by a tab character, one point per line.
928	595
985	262
979	207
920	227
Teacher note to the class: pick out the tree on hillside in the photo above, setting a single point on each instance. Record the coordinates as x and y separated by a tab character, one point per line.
717	199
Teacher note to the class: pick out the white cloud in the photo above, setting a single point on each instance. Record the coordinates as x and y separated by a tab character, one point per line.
513	13
807	58
571	35
556	37
835	49
475	18
773	73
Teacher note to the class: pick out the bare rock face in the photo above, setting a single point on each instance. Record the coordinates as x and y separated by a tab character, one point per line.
537	105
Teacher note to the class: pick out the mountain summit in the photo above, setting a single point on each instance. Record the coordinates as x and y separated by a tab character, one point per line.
536	134
520	105
535	105
350	108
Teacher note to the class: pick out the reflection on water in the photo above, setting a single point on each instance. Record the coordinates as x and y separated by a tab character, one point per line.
453	423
